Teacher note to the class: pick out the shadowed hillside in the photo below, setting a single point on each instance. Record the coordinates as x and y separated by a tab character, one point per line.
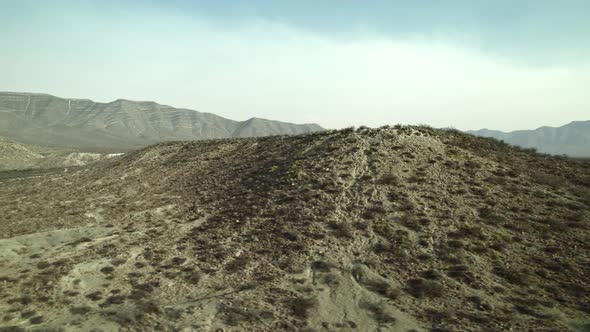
121	125
392	229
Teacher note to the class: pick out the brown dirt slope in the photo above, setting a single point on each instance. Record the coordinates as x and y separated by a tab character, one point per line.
18	156
391	229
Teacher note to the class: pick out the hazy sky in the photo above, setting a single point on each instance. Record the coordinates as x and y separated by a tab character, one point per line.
468	64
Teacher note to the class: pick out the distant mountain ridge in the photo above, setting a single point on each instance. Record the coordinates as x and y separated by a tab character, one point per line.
121	125
572	139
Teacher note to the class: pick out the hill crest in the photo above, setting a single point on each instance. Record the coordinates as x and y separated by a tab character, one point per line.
403	228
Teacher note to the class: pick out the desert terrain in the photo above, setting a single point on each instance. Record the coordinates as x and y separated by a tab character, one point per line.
392	229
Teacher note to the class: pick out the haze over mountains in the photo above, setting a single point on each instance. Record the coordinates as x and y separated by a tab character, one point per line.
572	139
121	125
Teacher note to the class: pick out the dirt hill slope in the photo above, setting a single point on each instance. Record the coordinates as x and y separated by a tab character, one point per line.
395	229
17	156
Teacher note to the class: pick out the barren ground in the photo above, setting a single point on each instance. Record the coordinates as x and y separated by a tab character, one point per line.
392	229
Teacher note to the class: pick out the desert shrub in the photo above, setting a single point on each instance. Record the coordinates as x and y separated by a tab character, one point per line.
421	288
116	299
118	261
384	229
342	229
81	310
408	155
43	265
389	179
330	279
347	131
456	244
462	273
382	247
417	178
549	180
238	264
498	245
13	328
8	279
383	288
300	306
373	212
512	276
322	266
405	204
236	313
28	314
80	240
193	277
290	235
147	307
378	313
468	231
473	165
432	275
416	224
489	216
140	291
107	269
178	260
479	247
496	180
361	225
36	320
94	296
582	192
173	313
453	151
24	300
554	224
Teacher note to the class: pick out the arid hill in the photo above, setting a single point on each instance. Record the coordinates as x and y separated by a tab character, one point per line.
121	125
391	229
17	156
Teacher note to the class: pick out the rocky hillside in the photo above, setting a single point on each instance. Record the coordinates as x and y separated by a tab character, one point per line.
17	156
573	139
121	125
392	229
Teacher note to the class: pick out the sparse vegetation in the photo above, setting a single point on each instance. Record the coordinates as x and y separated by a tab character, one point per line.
425	288
379	313
270	233
300	306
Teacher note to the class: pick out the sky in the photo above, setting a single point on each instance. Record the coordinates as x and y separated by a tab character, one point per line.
467	64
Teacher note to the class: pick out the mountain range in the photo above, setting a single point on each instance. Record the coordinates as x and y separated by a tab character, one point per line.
125	125
572	139
121	125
